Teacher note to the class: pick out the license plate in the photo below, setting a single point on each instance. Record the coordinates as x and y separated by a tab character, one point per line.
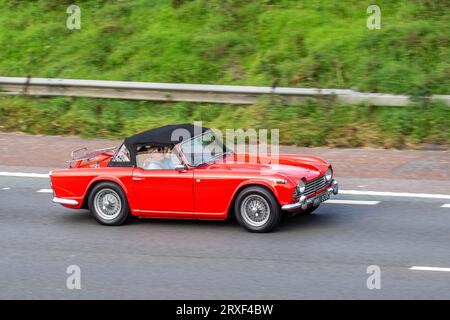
321	198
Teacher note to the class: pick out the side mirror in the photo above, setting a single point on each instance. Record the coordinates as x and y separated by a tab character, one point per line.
180	167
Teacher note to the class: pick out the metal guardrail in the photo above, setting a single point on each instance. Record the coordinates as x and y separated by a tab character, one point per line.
191	92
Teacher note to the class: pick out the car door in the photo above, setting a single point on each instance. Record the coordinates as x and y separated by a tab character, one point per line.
164	193
214	187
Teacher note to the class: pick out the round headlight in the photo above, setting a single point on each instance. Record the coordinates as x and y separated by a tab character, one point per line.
329	174
301	186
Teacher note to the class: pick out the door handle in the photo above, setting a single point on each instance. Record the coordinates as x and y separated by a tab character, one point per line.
137	179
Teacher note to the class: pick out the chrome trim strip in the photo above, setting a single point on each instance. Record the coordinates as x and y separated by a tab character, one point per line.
65	201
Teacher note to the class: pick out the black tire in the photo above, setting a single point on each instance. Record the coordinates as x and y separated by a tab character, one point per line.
257	194
310	210
116	194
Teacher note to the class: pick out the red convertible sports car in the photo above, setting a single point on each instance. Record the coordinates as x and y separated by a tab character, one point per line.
186	172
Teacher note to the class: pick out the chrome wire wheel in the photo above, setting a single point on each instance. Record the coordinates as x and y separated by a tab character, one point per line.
107	204
255	210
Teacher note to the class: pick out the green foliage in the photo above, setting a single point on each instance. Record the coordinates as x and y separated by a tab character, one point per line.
311	43
309	124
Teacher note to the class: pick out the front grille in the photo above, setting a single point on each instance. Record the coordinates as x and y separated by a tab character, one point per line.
315	185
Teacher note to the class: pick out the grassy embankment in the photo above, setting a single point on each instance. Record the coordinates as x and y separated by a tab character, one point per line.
282	42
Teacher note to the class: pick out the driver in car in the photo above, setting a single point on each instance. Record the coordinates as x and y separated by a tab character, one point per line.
153	162
159	159
167	162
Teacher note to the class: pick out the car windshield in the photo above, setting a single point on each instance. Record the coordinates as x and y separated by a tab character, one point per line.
203	148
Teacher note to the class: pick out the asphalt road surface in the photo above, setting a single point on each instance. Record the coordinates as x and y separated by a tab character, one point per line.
322	256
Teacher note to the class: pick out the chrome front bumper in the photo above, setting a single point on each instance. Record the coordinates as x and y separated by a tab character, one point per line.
65	201
303	203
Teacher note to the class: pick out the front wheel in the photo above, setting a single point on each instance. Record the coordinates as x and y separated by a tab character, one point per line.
108	204
257	210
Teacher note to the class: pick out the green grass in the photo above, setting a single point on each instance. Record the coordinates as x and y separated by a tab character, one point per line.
308	43
310	124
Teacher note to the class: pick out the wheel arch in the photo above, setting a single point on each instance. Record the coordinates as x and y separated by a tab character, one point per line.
248	184
97	181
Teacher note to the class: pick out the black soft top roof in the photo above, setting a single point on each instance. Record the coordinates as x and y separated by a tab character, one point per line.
165	136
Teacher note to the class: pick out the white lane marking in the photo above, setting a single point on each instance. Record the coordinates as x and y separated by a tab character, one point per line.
45	190
6	188
367	203
395	194
350	192
24	174
416	268
446	205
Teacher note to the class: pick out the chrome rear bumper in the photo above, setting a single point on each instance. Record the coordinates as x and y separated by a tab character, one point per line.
303	203
65	201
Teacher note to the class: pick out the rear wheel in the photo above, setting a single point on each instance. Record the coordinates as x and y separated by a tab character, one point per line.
257	210
108	204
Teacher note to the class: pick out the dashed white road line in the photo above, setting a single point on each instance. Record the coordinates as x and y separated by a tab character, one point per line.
24	174
45	191
417	268
354	202
349	192
6	188
395	194
367	203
